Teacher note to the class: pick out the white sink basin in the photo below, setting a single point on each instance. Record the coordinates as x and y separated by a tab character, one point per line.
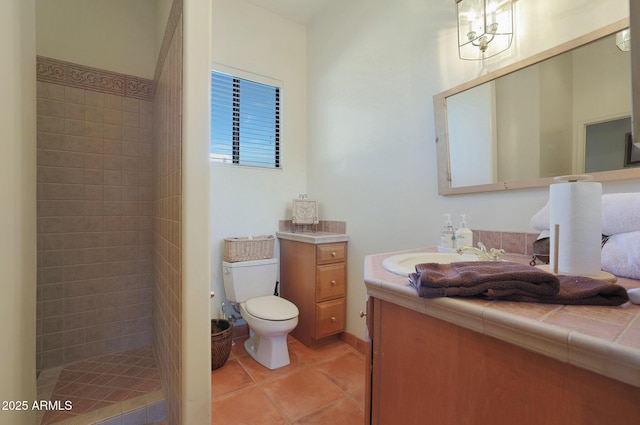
404	264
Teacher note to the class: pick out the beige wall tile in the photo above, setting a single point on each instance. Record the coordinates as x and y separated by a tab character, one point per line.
74	95
93	98
75	111
130	104
112	132
47	124
50	91
94	114
50	108
51	141
112	101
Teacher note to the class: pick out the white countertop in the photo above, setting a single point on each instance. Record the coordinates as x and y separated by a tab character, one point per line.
313	238
604	340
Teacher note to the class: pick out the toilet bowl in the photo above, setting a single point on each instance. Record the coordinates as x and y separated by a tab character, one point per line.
269	317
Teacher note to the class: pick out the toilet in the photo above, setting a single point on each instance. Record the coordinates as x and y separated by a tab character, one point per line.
270	318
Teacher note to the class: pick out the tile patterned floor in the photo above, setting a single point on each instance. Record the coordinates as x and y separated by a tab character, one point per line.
325	385
102	382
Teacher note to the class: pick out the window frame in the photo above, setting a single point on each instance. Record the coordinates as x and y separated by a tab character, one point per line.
237	73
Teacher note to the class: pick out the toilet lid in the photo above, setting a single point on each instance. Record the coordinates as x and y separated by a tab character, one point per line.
271	308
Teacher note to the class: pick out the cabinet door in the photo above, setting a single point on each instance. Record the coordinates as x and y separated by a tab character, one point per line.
330	281
330	318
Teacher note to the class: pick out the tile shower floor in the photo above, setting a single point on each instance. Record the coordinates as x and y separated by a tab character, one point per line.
101	387
325	385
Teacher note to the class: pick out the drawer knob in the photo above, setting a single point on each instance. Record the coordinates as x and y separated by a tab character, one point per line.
362	313
333	283
333	319
333	253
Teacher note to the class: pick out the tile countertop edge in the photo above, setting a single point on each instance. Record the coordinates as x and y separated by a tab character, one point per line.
606	358
313	238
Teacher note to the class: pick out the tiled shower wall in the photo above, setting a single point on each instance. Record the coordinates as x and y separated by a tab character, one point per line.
94	212
167	225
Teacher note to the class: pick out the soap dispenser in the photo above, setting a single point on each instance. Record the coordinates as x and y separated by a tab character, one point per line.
464	235
446	234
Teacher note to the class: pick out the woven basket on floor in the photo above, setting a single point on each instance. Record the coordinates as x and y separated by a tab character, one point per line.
221	331
245	249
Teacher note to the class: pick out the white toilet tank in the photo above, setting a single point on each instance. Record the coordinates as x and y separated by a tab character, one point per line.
249	279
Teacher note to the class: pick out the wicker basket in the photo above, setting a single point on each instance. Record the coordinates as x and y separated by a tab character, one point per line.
221	331
247	249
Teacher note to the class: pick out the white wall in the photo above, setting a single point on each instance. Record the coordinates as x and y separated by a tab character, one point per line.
162	11
249	201
196	271
18	209
373	69
115	35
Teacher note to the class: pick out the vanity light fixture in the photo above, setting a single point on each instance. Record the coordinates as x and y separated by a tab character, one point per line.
485	28
623	40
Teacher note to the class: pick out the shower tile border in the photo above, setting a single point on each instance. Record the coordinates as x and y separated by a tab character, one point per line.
95	79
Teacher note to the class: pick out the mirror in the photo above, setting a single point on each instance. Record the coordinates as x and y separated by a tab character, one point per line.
563	111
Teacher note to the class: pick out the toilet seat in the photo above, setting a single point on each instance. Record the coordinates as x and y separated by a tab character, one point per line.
271	307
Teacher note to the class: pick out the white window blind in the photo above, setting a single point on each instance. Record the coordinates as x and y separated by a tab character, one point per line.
245	122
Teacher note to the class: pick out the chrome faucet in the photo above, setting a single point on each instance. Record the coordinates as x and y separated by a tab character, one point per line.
491	255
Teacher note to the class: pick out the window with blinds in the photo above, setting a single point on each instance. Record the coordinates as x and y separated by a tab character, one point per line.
245	122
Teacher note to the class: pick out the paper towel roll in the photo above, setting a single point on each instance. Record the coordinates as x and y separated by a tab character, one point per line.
576	207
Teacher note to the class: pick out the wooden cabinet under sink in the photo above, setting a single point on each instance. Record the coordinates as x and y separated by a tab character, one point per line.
314	278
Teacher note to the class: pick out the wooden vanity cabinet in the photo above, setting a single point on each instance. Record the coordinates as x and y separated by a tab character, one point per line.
314	278
424	371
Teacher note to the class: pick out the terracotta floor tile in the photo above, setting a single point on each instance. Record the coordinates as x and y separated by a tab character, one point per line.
117	369
65	388
324	352
229	378
97	392
250	407
148	373
346	371
71	375
120	382
260	373
82	405
145	362
237	349
102	367
324	385
134	370
123	394
344	412
146	385
302	392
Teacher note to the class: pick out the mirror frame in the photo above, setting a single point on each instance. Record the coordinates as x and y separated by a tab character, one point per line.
442	135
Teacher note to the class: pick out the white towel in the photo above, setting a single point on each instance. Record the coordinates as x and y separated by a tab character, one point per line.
621	255
620	214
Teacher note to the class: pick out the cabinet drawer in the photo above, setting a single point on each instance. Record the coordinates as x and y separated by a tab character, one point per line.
331	253
330	318
330	281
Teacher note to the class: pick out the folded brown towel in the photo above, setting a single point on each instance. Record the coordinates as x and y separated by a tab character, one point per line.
468	278
575	290
512	282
